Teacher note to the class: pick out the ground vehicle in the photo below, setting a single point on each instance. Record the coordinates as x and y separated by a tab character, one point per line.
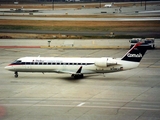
145	42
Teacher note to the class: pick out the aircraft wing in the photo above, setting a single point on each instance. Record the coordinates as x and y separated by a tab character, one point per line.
70	72
65	71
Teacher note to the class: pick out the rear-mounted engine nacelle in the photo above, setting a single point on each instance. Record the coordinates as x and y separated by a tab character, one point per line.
104	62
111	61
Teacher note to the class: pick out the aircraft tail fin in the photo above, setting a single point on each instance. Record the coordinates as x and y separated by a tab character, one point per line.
135	54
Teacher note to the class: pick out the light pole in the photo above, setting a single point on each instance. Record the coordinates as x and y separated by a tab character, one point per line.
145	4
100	3
52	4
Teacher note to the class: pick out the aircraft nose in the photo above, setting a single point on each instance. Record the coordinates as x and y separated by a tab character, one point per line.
9	67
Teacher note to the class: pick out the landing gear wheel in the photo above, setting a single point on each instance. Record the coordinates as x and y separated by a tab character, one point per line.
16	74
81	76
75	76
72	75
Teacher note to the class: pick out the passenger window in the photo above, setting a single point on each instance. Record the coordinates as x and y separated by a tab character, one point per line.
27	63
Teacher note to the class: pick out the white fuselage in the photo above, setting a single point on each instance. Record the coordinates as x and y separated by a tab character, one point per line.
70	65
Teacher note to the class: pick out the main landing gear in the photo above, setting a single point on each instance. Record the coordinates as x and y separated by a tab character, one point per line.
76	76
16	74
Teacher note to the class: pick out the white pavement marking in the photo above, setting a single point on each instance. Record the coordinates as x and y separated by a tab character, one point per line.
81	104
105	107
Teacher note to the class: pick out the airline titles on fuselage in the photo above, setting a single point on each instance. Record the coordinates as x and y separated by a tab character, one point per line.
53	61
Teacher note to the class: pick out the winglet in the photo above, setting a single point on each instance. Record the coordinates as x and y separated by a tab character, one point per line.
79	70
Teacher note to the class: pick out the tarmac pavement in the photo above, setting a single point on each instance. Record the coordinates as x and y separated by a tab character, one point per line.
69	43
132	94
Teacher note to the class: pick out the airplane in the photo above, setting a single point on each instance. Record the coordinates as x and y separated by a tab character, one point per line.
77	67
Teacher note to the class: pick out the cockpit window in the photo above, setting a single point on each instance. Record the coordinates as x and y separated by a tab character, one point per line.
17	61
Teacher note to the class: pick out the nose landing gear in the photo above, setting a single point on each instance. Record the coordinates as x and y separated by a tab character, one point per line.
16	74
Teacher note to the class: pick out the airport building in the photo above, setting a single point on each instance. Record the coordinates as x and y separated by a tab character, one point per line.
64	1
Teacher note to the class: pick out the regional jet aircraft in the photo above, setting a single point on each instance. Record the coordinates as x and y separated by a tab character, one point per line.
77	67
